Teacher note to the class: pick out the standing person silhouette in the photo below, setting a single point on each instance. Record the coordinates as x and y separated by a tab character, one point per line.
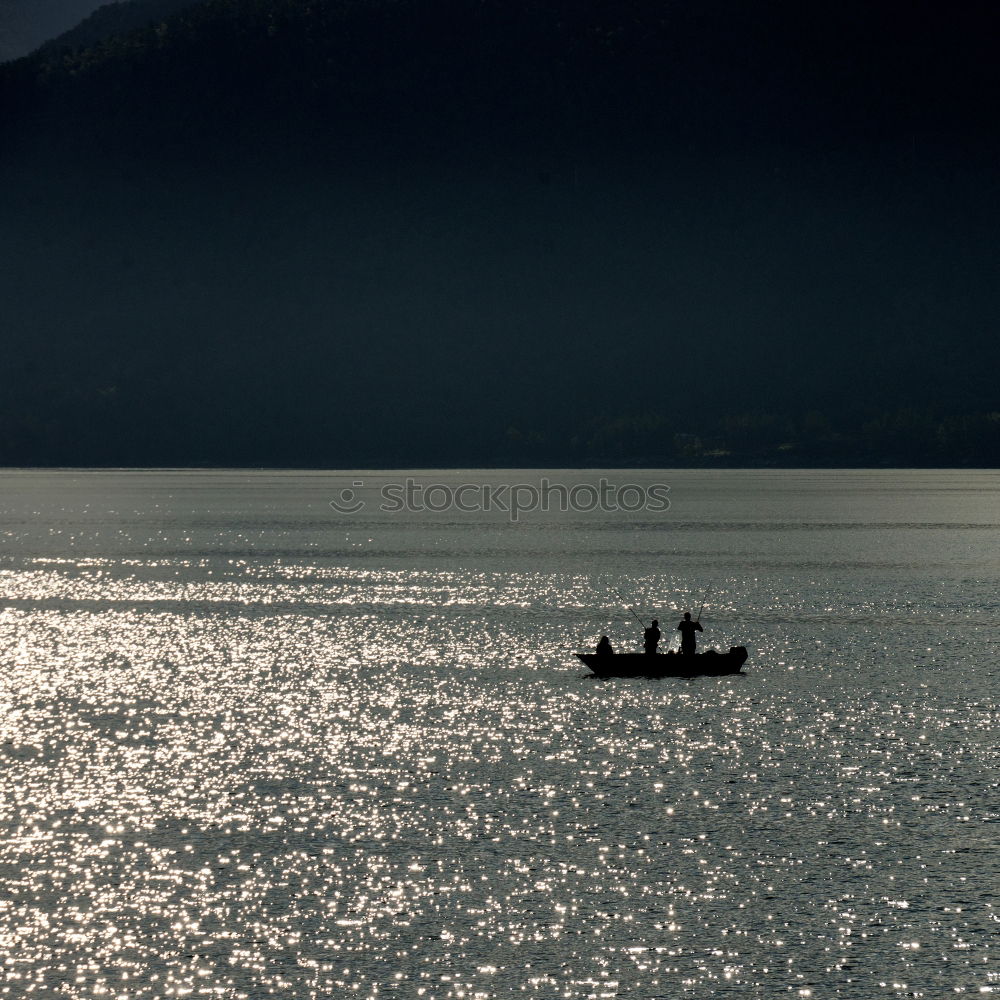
687	629
651	637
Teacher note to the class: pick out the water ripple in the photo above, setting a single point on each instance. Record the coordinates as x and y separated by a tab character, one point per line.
321	778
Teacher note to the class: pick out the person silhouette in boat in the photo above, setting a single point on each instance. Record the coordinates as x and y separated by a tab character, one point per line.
651	637
687	629
604	647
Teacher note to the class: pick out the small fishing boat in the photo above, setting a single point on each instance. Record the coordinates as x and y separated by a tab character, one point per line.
711	663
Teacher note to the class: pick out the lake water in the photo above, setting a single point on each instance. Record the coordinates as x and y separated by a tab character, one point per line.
254	747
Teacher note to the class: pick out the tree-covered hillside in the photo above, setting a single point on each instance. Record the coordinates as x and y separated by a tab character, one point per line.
798	69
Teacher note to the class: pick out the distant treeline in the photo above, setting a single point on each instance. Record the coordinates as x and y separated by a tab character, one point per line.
890	438
99	432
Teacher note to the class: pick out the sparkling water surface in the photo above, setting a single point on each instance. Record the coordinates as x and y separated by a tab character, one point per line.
253	747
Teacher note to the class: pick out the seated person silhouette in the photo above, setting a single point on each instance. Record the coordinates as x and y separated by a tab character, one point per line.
651	637
604	647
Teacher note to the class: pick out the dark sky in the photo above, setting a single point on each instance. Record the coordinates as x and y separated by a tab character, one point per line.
26	24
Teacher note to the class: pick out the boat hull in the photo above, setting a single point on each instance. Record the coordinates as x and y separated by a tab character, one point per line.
707	664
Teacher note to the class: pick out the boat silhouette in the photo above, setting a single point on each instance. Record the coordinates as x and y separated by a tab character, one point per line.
711	663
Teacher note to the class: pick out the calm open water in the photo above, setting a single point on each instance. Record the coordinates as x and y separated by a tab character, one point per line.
255	748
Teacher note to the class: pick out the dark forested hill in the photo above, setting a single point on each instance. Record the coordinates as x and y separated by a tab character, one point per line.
473	231
803	70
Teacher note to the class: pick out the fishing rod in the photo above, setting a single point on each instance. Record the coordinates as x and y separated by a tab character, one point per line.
705	598
629	606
